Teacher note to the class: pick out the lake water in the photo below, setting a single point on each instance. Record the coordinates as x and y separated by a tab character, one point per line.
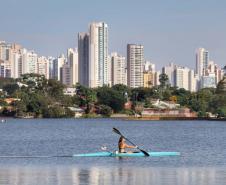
202	145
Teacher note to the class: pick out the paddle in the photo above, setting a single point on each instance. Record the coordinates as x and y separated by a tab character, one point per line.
119	133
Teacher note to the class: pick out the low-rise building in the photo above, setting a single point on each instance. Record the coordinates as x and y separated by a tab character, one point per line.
78	111
11	100
70	91
180	113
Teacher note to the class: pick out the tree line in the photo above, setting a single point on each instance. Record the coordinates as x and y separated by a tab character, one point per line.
39	97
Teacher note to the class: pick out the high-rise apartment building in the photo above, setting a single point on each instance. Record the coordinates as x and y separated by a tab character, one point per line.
170	72
135	65
57	67
98	55
43	66
66	74
5	50
149	67
16	61
208	81
149	79
16	65
72	56
5	59
202	61
149	74
11	60
29	59
219	74
156	78
182	77
5	69
51	65
119	69
83	59
192	81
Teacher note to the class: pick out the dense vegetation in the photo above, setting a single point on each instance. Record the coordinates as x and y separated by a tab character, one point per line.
39	97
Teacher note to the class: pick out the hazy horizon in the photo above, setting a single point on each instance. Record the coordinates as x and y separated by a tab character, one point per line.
170	31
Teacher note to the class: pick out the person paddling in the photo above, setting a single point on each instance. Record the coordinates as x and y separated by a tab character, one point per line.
122	145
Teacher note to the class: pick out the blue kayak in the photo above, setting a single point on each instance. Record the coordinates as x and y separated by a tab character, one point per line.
137	154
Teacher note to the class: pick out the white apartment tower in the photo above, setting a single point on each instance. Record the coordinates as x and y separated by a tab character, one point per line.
16	65
29	59
119	69
72	56
169	71
192	81
98	55
149	67
57	67
43	66
202	61
182	77
135	65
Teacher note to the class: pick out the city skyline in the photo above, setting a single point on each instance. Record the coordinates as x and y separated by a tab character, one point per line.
103	68
170	31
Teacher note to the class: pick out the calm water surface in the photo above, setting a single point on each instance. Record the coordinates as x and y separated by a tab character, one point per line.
202	145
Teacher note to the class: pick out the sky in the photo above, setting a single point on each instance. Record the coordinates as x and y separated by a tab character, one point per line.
170	30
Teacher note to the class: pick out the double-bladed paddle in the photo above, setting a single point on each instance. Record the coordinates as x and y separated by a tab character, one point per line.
119	133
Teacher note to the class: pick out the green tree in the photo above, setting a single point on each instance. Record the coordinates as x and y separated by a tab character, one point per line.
20	108
141	94
55	89
104	110
37	104
217	103
67	100
69	113
221	86
166	94
183	96
112	98
200	101
156	93
164	80
10	88
85	97
221	112
54	112
123	89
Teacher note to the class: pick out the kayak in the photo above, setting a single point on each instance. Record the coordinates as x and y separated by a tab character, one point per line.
137	154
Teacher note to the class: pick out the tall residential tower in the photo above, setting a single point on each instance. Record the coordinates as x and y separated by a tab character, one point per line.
72	56
202	61
119	69
98	55
83	59
135	65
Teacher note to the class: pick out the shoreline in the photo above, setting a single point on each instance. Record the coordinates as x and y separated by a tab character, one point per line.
129	118
176	119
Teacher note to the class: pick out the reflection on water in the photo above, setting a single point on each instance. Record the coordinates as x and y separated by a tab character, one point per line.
202	144
116	175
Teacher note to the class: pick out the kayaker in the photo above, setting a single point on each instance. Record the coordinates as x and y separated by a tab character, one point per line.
122	145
